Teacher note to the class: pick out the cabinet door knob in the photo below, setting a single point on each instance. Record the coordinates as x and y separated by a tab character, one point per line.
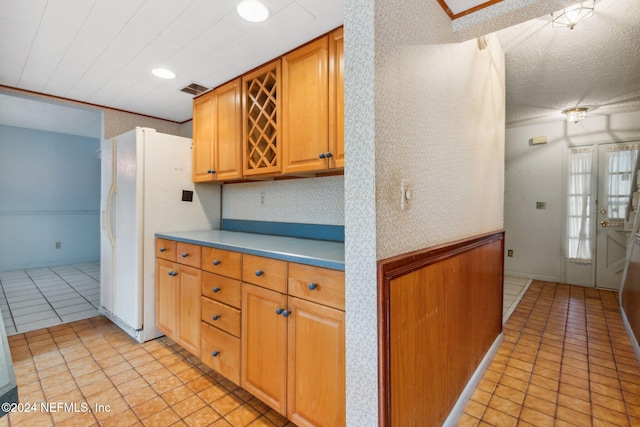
286	313
215	353
184	255
216	317
328	154
216	289
163	249
279	310
172	273
216	262
259	273
321	156
312	286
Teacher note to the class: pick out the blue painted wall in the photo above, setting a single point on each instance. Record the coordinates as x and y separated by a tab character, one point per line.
49	192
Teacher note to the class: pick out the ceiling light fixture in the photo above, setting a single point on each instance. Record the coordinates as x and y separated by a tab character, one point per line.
570	16
575	114
252	11
163	73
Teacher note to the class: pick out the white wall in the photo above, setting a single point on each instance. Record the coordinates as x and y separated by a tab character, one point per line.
308	201
536	173
441	130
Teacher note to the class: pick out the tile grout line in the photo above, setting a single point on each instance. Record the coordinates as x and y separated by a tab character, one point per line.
8	306
43	295
72	287
622	392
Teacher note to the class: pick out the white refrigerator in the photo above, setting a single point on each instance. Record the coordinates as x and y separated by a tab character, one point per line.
146	188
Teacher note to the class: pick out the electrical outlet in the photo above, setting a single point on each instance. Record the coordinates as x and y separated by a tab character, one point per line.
58	245
510	252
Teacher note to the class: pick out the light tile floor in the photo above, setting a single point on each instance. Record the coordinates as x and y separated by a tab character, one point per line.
514	289
43	297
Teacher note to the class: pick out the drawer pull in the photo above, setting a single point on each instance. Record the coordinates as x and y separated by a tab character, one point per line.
279	310
184	255
216	290
216	262
286	313
216	317
215	353
259	273
312	286
163	249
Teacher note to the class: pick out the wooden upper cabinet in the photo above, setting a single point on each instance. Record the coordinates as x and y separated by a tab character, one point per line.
336	98
261	121
227	137
203	164
283	118
305	107
217	134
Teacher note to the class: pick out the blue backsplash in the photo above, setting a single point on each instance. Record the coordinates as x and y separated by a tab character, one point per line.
333	233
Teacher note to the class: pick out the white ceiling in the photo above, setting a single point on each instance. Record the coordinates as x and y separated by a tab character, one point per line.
102	52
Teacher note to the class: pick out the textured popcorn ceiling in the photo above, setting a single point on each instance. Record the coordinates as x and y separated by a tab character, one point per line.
597	64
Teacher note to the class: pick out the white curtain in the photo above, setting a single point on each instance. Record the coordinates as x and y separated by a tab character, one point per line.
622	160
578	203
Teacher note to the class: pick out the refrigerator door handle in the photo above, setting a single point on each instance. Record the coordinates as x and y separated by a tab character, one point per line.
110	216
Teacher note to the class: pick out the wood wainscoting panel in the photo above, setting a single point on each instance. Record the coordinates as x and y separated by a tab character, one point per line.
440	311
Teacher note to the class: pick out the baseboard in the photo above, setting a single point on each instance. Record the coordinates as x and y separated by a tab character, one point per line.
48	264
471	386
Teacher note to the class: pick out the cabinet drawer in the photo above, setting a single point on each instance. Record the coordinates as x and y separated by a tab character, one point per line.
220	261
221	352
317	284
223	289
266	272
221	316
166	249
188	254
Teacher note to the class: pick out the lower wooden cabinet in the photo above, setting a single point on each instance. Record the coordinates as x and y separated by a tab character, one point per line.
221	352
166	313
264	345
276	328
316	365
293	356
178	293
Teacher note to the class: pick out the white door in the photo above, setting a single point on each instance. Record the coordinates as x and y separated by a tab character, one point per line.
615	171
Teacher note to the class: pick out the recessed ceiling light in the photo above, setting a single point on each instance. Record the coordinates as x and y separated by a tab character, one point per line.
163	73
252	11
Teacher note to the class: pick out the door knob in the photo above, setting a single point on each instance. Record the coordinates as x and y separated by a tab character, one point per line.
603	211
603	223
